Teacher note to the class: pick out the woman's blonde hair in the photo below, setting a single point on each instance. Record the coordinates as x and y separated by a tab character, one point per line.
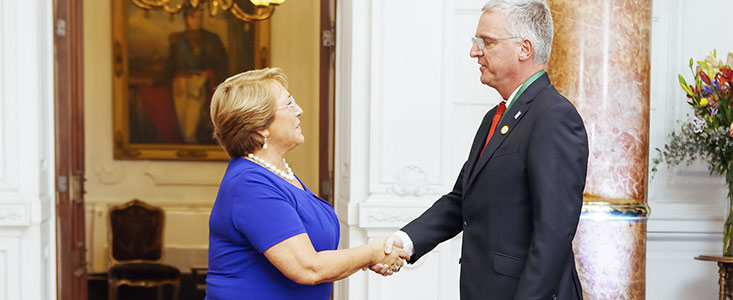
243	104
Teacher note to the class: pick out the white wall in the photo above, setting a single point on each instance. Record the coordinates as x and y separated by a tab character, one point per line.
687	205
27	239
409	102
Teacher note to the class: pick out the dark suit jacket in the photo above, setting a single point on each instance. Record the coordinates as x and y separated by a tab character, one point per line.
518	205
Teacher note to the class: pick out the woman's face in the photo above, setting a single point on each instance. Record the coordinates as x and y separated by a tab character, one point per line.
284	132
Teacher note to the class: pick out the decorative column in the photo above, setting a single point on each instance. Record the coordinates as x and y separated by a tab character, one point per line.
600	61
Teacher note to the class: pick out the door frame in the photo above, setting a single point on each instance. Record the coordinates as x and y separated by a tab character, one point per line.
71	274
326	86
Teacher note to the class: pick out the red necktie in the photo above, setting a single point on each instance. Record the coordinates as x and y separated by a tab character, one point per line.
495	122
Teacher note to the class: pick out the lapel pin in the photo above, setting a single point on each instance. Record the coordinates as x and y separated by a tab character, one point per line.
519	113
504	129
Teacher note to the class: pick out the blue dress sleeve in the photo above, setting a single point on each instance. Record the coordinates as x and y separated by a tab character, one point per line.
263	213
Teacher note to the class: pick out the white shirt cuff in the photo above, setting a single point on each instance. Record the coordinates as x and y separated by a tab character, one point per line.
406	242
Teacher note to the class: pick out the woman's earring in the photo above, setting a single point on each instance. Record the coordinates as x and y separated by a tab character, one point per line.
264	146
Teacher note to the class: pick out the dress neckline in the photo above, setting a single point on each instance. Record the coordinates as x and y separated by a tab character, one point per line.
304	189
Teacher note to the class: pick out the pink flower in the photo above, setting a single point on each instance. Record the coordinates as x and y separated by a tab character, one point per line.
725	90
730	131
715	104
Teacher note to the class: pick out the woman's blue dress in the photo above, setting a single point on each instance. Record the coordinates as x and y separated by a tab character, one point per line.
254	210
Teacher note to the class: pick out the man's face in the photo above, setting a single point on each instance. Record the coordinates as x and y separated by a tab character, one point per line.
499	58
193	20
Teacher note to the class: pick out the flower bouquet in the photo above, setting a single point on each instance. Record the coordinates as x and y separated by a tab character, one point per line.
710	134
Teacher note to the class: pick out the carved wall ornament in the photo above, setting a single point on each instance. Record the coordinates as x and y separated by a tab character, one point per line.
386	216
109	173
13	215
411	181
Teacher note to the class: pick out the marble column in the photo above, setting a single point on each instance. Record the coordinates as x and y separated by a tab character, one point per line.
600	61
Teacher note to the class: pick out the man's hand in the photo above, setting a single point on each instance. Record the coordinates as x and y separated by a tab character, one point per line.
390	242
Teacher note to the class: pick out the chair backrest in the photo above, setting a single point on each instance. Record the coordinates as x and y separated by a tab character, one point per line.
136	232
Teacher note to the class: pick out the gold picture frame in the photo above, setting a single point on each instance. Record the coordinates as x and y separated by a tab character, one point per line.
165	68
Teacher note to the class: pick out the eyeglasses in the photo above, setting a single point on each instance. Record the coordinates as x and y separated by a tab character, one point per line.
291	104
487	43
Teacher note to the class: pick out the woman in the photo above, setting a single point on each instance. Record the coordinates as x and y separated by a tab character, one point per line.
270	237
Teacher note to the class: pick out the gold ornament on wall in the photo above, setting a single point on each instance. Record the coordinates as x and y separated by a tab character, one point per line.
263	9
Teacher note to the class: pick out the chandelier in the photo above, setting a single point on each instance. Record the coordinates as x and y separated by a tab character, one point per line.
263	8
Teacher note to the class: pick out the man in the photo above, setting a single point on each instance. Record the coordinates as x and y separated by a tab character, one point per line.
518	197
197	63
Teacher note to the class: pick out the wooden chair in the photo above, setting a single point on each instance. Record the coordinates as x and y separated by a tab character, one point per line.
136	249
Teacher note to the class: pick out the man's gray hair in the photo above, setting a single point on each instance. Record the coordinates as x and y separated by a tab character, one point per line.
529	19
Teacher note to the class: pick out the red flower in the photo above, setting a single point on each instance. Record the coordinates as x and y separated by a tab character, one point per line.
704	77
694	91
724	76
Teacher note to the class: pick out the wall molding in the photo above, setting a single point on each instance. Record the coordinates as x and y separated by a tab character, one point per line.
373	211
14	214
383	215
162	175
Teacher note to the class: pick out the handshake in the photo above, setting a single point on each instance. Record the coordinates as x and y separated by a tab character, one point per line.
387	255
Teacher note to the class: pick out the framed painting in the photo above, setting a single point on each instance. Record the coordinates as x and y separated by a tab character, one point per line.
165	69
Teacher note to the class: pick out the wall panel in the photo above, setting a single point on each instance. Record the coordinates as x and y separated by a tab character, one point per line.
673	274
27	257
406	90
10	275
8	108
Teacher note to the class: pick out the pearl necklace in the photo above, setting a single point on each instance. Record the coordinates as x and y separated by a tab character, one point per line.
289	175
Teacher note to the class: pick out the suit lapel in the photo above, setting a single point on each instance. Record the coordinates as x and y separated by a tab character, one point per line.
478	143
512	117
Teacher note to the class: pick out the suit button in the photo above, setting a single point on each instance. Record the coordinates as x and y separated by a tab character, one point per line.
554	297
465	223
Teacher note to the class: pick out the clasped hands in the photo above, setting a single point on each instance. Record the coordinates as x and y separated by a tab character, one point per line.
388	255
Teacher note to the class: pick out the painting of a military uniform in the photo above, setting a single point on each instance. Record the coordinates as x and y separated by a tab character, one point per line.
196	63
174	64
